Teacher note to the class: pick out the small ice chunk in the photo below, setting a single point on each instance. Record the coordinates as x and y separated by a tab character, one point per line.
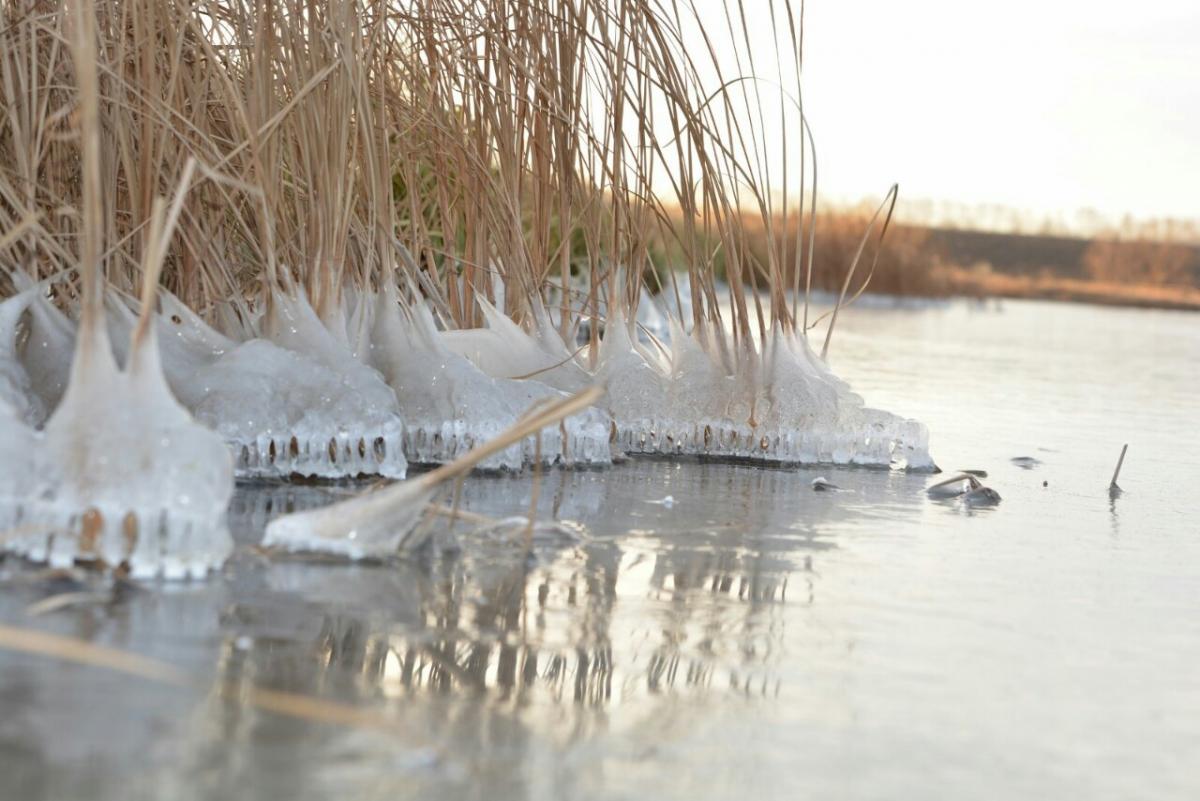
949	488
966	487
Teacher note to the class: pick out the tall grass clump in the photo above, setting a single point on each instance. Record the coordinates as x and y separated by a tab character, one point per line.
400	224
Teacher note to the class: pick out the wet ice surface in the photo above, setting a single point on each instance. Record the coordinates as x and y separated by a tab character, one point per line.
753	638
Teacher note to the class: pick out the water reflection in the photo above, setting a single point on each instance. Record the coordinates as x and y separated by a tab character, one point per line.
653	600
483	655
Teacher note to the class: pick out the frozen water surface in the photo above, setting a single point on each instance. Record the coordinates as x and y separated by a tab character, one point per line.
754	638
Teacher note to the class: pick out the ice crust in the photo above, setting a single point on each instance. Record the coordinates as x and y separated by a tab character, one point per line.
450	405
780	404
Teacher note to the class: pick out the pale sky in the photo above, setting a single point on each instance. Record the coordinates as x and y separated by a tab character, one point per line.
1046	105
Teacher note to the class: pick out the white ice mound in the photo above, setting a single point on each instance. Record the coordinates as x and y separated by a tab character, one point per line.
502	349
297	403
122	473
450	406
338	402
781	404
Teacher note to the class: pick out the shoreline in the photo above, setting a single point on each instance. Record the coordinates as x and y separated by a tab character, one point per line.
1071	290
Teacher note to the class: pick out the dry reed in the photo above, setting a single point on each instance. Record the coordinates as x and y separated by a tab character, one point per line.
550	151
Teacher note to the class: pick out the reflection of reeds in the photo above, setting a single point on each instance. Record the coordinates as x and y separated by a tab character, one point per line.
588	627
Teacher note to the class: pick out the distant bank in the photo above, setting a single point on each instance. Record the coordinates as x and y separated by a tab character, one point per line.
1109	271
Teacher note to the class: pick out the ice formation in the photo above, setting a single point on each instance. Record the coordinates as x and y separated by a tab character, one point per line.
16	392
655	311
352	395
363	391
451	406
358	393
965	487
295	401
20	450
35	352
384	522
121	473
778	404
504	350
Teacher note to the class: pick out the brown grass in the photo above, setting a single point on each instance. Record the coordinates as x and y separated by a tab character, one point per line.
920	261
448	146
985	284
910	261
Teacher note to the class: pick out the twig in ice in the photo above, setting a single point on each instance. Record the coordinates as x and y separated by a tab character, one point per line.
1112	486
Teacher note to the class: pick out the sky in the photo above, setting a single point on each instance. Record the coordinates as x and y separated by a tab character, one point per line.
1048	106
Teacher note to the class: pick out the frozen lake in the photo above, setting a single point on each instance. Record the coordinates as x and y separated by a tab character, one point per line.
753	638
